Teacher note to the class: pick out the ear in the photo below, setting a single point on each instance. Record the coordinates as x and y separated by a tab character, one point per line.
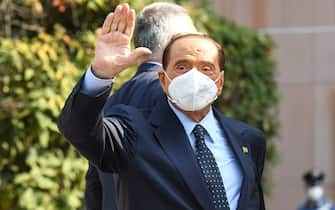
220	82
163	80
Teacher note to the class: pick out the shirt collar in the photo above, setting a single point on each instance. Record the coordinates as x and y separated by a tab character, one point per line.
207	122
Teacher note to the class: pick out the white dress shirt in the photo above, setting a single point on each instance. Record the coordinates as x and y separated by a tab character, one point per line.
92	85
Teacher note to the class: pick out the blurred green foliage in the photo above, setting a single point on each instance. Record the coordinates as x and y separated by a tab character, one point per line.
250	92
45	46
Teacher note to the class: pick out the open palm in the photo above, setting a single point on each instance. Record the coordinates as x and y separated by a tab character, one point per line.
113	53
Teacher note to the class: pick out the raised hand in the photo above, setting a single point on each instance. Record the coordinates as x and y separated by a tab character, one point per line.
112	52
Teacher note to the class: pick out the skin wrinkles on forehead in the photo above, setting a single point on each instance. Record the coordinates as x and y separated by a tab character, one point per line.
203	48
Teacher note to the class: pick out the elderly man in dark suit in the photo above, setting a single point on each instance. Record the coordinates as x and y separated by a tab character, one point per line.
154	26
185	155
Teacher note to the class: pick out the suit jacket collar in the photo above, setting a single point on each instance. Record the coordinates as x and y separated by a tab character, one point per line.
172	138
147	67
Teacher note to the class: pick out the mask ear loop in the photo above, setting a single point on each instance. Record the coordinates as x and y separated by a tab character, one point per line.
167	76
170	99
217	79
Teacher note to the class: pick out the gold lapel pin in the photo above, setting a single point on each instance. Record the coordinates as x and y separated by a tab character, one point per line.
245	149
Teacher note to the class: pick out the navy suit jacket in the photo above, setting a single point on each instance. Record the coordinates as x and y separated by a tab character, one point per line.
152	156
141	91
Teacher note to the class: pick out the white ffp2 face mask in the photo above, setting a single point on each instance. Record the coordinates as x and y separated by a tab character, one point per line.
192	91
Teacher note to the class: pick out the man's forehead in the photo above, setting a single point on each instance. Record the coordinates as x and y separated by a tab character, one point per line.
197	45
194	48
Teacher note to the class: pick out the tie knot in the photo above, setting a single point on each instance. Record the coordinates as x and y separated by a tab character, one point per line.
199	131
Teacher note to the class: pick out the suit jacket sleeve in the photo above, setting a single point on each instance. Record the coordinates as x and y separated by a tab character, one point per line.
93	189
107	142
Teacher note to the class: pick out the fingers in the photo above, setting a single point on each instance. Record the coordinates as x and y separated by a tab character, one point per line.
107	23
134	56
130	23
123	20
117	17
139	52
120	18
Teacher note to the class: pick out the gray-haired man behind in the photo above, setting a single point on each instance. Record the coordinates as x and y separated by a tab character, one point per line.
154	27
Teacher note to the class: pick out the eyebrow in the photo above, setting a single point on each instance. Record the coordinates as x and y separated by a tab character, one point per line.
187	60
208	63
181	61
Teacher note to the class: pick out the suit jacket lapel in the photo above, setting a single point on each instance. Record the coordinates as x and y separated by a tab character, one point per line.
234	135
171	136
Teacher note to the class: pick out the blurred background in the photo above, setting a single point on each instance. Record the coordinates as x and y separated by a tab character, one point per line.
304	32
279	76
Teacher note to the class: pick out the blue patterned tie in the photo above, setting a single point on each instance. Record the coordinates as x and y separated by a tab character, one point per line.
210	170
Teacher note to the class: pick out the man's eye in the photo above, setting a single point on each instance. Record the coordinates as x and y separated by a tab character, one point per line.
181	68
206	68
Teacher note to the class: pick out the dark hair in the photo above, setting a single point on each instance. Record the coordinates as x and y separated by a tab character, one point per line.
166	53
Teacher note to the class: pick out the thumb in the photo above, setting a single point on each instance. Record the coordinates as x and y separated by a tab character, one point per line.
138	52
